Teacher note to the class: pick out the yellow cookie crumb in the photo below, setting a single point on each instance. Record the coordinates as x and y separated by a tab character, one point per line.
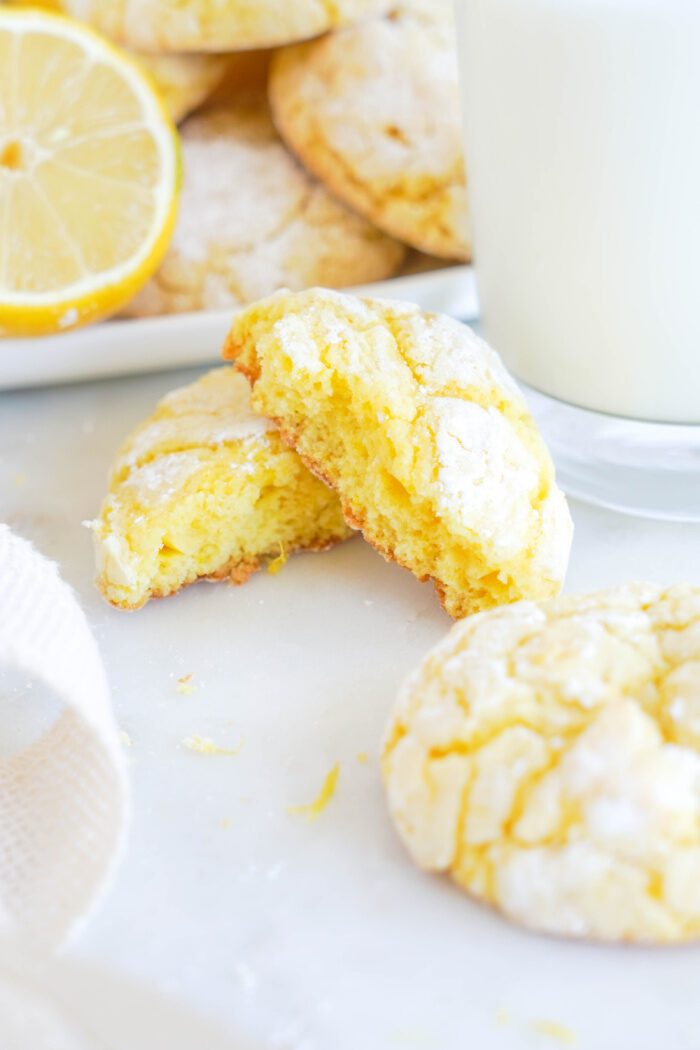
560	1033
204	745
362	757
185	685
328	788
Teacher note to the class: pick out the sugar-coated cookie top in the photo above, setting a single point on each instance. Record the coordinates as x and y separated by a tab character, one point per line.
547	756
375	112
423	400
218	25
252	220
212	411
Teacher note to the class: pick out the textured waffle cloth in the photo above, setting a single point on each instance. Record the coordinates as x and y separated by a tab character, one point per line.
63	799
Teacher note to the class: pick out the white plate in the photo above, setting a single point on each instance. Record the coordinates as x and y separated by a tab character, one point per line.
153	345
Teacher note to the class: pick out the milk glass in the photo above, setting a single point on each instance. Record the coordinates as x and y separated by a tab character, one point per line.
582	121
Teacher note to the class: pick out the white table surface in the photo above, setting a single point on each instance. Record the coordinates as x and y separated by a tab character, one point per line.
313	936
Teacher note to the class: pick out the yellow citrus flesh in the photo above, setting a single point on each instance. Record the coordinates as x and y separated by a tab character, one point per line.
89	175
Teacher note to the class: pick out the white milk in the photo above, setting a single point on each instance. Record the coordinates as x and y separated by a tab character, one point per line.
583	146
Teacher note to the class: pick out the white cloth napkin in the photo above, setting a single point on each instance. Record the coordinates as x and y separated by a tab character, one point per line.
63	799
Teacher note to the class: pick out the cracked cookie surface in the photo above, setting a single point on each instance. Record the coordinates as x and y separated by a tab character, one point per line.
205	488
218	25
252	220
547	757
417	425
374	112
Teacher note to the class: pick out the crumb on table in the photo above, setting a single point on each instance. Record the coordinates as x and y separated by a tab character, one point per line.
204	745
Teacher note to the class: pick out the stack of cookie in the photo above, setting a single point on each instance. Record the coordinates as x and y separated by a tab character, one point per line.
321	142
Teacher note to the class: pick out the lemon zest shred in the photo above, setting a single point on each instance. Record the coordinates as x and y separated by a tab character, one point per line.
312	810
274	566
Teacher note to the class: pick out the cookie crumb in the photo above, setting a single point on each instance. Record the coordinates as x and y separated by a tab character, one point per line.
362	757
204	745
560	1033
185	685
312	810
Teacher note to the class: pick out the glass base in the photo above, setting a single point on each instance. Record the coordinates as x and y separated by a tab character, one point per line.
648	469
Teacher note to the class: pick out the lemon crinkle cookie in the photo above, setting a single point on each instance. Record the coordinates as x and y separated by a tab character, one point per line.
374	112
416	424
205	488
252	220
218	25
547	757
184	82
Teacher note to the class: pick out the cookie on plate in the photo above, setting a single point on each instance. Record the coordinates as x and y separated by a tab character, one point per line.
184	81
547	757
374	112
252	220
218	25
205	488
417	425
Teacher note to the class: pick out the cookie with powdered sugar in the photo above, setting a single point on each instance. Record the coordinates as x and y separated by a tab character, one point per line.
416	424
547	757
374	112
252	220
205	489
218	25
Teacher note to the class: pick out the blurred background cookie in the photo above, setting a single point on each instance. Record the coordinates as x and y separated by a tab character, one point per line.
252	221
184	82
218	25
374	112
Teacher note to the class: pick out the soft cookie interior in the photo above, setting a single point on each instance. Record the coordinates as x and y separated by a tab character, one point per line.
206	488
416	424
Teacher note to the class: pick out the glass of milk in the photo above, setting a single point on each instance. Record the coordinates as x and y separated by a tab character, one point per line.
582	122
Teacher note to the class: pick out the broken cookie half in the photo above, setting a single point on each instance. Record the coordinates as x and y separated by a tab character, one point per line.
205	488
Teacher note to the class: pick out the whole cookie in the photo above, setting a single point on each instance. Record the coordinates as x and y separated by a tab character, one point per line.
218	25
417	425
547	757
374	112
205	488
252	220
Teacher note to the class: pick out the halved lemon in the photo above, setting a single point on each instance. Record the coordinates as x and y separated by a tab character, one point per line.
89	175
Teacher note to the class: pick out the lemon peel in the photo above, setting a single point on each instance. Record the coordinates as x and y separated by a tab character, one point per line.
314	809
